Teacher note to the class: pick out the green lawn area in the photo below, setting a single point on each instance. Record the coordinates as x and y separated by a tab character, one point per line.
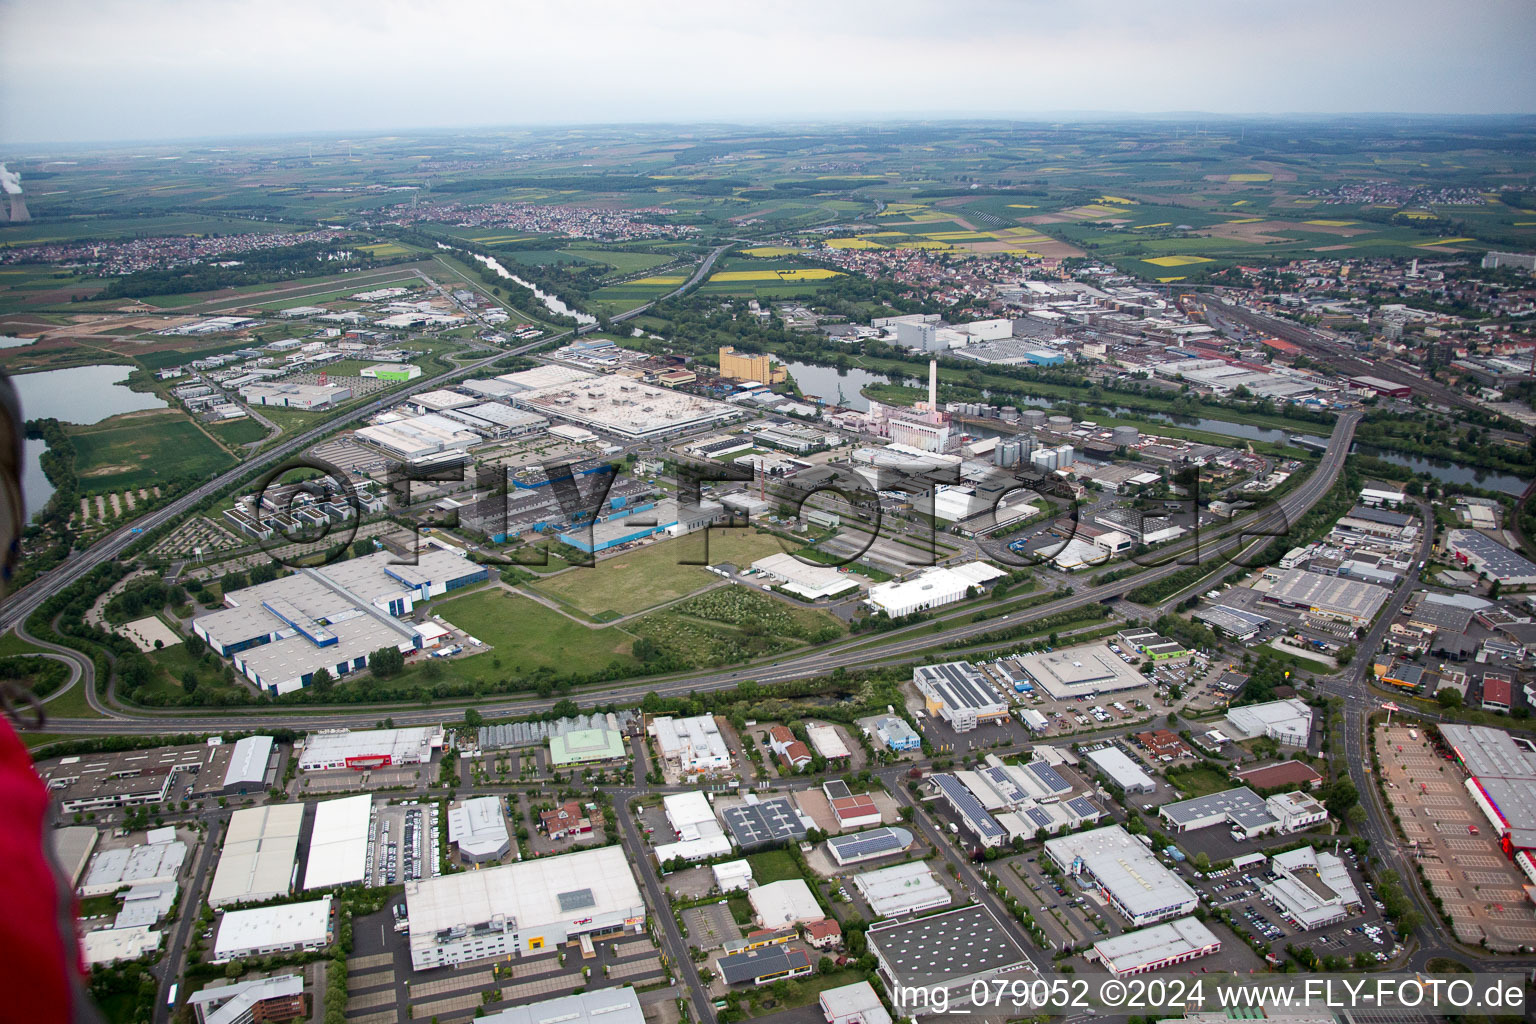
805	991
623	262
773	866
144	451
1200	781
241	431
526	636
643	578
11	644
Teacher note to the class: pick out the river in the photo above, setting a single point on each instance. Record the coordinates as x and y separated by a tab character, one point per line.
35	488
1449	472
553	304
824	382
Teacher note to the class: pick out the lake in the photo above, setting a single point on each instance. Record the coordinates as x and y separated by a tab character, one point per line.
553	304
36	490
8	342
81	394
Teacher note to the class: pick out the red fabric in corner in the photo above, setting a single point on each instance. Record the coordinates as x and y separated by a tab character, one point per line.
36	919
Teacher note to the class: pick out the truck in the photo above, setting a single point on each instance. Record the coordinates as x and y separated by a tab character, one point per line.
954	829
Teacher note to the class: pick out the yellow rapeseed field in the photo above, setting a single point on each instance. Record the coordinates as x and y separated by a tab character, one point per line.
804	274
1176	261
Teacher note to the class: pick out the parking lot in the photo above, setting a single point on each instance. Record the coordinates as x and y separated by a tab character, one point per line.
405	843
1482	891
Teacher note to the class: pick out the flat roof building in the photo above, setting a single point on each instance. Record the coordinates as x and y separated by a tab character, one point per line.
72	846
1073	672
1488	557
969	809
276	998
897	735
256	861
144	864
132	778
1330	597
950	949
1312	888
764	965
784	903
1241	808
692	746
338	842
624	407
1151	949
902	889
961	694
1501	779
529	906
1127	873
758	822
587	746
1282	773
248	764
363	749
600	1006
479	829
930	588
856	847
1122	770
1286	721
858	1003
280	929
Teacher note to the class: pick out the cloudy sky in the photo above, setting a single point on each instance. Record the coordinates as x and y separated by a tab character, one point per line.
79	70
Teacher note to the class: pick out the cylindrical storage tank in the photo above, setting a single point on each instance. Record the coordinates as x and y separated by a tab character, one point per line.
1027	445
1126	436
1034	419
1065	456
1060	424
1006	454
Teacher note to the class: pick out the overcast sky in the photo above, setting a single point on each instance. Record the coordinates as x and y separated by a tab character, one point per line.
151	69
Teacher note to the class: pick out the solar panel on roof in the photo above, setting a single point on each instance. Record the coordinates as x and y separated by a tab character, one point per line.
866	844
968	805
1039	817
1083	807
1049	777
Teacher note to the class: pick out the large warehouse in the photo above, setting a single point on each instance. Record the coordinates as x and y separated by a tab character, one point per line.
281	929
931	588
1501	777
950	949
524	907
1128	874
257	859
1286	721
364	749
1150	949
281	632
958	692
1312	887
1329	597
1080	671
1487	556
1122	770
623	407
338	842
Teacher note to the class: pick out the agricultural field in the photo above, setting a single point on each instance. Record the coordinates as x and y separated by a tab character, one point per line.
238	432
144	449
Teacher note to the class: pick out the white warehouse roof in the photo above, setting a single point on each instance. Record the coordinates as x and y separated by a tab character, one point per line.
784	903
256	862
338	845
285	926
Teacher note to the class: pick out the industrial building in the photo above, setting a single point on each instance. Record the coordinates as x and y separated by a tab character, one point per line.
1296	811
524	907
71	846
132	778
1330	597
1312	888
1242	809
1074	672
764	965
619	1005
827	741
959	693
249	766
930	588
1286	721
691	746
632	523
338	842
256	860
285	928
908	888
784	903
760	822
897	735
276	998
150	863
857	847
1238	623
970	810
113	945
597	745
858	1003
1122	770
1151	949
1501	778
1488	557
748	366
296	396
364	749
415	438
732	875
811	582
699	834
624	407
279	633
479	829
950	949
1126	873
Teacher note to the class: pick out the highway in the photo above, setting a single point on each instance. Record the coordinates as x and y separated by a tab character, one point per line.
853	653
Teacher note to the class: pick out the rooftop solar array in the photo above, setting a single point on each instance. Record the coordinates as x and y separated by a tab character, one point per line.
966	803
769	821
876	842
1084	808
836	789
1038	816
1049	777
959	683
1004	784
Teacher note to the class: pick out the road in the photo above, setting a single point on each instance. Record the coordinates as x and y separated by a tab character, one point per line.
24	602
899	645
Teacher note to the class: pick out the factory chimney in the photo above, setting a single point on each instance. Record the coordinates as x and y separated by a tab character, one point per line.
10	184
933	385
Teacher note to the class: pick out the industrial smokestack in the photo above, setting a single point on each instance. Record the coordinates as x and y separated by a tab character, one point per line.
933	384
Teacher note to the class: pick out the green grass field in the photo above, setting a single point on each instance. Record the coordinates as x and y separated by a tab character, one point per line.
242	431
649	576
143	451
1200	781
773	866
526	636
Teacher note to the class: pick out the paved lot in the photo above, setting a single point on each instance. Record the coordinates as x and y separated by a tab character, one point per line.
1483	892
